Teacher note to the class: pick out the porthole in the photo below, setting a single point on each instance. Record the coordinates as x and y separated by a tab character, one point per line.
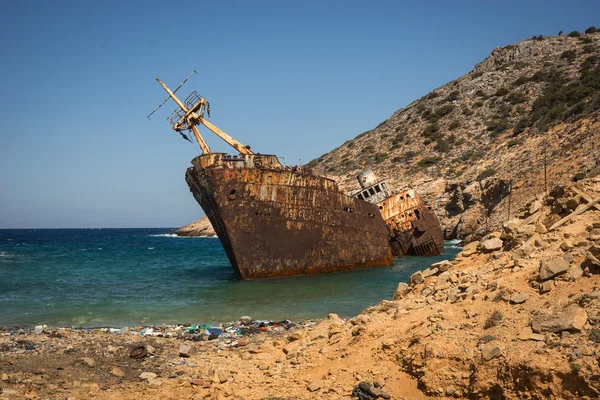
232	194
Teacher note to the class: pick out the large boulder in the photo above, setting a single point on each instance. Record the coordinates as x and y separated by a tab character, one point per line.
490	245
551	268
572	319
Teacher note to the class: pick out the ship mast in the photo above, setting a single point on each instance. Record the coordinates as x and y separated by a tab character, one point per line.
192	114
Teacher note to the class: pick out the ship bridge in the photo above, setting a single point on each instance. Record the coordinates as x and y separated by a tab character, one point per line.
372	189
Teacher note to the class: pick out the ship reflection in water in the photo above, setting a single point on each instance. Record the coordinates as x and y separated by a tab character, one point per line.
275	220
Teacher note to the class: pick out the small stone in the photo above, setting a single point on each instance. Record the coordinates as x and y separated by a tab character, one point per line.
573	202
525	333
490	351
575	272
222	376
186	350
31	395
388	344
334	318
546	287
523	251
378	382
294	336
111	349
490	245
518	298
566	245
429	272
535	206
593	256
470	249
541	228
551	268
401	291
291	348
450	390
416	278
88	361
201	382
118	372
527	230
571	320
154	382
595	234
538	337
314	386
147	375
245	321
150	349
442	266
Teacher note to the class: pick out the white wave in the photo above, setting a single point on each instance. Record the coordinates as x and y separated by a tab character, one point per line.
3	254
454	243
150	248
172	235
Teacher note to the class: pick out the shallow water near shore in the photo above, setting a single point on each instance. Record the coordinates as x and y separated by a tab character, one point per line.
127	277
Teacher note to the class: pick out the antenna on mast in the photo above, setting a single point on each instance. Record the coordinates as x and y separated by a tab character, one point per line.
174	91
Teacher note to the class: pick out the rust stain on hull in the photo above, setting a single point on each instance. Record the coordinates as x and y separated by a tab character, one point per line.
276	221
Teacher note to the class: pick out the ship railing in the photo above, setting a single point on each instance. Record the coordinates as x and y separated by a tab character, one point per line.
192	100
175	117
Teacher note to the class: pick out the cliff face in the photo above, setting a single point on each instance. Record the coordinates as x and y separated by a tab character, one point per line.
525	119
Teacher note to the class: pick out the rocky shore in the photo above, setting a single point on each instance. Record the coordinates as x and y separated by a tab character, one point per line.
514	315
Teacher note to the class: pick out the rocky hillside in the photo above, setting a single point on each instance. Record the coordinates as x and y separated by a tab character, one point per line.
525	118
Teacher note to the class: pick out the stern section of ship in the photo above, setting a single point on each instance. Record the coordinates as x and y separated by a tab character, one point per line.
277	221
415	228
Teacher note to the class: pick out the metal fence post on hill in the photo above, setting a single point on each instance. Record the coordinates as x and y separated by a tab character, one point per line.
545	170
509	198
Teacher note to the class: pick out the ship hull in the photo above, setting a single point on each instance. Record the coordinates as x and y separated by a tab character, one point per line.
275	221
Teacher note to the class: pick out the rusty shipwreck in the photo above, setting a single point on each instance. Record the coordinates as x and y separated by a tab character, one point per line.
414	228
276	220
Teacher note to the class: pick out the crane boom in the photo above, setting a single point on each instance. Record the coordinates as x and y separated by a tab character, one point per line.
193	115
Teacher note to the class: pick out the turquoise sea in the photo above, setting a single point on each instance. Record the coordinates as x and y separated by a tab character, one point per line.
129	277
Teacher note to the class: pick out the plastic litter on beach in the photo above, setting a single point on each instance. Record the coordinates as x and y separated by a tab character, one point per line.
227	335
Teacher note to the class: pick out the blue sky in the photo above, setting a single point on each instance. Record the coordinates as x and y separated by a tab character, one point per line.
295	79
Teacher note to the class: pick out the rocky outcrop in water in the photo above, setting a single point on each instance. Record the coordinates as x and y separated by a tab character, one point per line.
201	227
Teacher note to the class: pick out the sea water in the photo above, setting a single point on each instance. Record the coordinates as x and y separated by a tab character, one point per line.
128	277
